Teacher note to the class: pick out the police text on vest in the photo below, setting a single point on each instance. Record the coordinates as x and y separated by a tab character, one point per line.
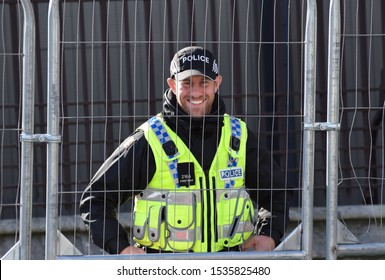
231	173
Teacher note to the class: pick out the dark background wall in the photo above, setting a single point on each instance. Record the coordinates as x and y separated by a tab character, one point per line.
115	59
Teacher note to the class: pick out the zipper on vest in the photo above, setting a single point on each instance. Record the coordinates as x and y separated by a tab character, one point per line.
203	203
215	211
208	203
208	212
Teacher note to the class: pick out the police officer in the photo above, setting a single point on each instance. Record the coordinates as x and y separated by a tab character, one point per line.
197	175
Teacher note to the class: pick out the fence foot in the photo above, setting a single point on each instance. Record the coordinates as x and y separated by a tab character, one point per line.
65	247
292	241
13	253
344	236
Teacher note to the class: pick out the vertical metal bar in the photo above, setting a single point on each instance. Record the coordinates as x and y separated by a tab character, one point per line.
332	135
28	93
52	130
308	134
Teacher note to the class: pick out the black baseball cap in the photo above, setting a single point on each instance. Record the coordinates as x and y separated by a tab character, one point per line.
192	61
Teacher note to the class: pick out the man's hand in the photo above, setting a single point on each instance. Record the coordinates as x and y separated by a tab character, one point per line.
132	250
259	243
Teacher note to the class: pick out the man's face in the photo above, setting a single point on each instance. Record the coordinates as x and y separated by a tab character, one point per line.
195	94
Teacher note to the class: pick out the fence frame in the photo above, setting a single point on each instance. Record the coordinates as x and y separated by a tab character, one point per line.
53	129
335	230
302	235
29	46
333	125
300	238
22	248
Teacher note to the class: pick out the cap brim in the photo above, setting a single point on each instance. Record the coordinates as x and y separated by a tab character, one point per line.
191	72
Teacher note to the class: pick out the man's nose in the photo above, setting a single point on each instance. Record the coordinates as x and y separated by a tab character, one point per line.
196	88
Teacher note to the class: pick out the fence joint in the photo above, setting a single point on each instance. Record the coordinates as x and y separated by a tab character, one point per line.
41	138
322	126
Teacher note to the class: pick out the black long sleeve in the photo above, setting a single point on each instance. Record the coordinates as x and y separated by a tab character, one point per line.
266	185
129	171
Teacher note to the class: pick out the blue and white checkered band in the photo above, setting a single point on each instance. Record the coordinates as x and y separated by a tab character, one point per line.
236	132
159	130
163	137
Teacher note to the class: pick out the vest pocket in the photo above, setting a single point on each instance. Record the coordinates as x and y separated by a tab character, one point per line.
140	229
235	217
181	220
156	226
149	224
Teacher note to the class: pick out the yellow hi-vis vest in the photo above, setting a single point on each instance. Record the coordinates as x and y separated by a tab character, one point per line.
211	211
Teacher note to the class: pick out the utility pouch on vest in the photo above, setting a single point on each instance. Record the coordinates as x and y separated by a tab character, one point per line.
149	223
165	220
156	225
140	229
181	220
235	217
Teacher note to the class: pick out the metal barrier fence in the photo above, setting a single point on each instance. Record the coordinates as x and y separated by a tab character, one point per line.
148	45
344	112
93	106
24	167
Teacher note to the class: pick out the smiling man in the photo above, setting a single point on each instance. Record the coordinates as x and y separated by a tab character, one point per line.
196	174
194	80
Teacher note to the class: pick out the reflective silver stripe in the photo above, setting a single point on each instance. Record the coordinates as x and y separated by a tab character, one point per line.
236	131
161	195
245	226
181	198
232	193
163	137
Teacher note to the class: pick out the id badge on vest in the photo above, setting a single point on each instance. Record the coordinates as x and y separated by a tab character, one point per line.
186	174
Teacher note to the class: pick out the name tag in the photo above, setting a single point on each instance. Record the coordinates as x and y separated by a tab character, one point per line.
186	174
231	173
